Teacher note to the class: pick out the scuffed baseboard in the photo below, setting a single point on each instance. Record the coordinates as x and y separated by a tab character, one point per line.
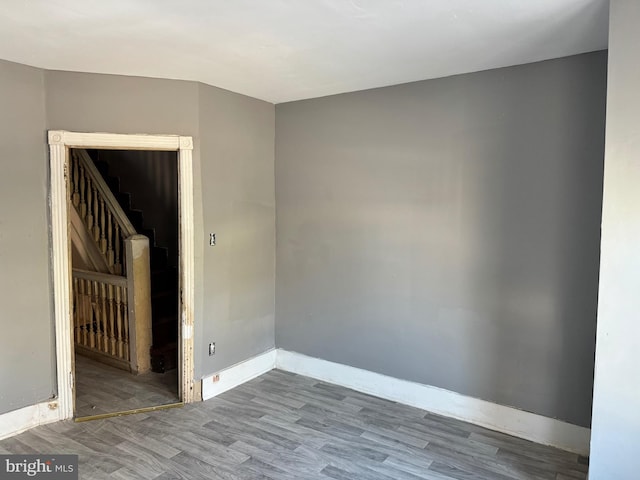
509	420
17	421
231	377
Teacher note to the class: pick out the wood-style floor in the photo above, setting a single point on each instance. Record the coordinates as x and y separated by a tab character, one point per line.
284	426
104	389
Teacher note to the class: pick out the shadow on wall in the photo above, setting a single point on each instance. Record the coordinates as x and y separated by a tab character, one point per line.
447	232
152	179
533	275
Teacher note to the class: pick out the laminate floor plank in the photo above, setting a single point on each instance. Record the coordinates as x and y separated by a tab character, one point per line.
417	467
283	426
103	389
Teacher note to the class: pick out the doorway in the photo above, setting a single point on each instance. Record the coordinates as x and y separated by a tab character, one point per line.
62	145
119	197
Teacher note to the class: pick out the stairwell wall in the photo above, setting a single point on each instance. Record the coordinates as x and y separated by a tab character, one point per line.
152	179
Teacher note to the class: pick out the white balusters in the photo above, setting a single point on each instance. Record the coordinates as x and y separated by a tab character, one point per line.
118	264
75	180
119	321
96	213
83	311
82	180
101	317
109	241
77	317
125	327
112	307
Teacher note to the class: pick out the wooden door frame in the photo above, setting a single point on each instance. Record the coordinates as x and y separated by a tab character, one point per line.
60	142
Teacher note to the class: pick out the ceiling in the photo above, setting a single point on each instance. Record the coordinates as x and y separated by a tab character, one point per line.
283	50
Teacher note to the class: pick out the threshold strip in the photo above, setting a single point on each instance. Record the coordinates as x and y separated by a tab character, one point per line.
128	412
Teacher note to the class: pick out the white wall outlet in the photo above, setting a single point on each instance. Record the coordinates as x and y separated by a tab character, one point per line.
212	348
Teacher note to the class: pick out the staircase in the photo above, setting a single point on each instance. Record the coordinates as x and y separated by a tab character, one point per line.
111	291
164	280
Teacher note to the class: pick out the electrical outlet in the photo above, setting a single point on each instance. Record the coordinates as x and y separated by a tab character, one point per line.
212	239
212	348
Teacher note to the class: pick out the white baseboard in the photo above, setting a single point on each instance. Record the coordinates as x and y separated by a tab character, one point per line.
238	374
537	428
17	421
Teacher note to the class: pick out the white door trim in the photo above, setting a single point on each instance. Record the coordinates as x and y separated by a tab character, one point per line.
59	144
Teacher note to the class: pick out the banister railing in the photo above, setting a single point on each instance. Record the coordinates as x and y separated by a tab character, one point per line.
99	209
111	311
101	316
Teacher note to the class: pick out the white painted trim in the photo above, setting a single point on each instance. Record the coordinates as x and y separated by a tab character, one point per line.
17	421
120	141
61	266
509	420
59	143
238	374
187	268
544	430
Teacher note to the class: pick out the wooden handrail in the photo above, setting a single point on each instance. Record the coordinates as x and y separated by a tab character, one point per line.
117	280
116	210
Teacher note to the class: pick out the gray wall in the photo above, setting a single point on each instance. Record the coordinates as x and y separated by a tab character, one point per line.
27	370
447	231
152	179
233	192
118	104
237	147
234	281
615	437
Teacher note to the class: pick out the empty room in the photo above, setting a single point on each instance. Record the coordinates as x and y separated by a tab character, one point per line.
321	239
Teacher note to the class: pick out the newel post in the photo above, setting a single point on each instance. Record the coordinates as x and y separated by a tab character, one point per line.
139	296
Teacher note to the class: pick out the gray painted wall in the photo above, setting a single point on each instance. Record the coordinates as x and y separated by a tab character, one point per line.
27	370
615	437
231	129
235	282
233	192
447	231
237	150
118	104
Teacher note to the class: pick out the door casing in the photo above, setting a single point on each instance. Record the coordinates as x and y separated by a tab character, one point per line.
60	141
